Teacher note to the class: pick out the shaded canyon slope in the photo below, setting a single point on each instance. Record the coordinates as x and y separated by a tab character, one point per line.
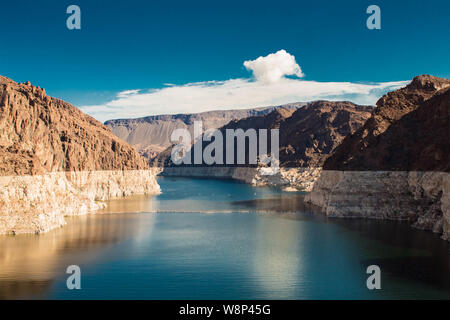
312	133
409	131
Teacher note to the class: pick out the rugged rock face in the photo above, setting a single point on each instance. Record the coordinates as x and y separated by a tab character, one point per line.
42	134
308	136
151	135
409	130
397	165
58	161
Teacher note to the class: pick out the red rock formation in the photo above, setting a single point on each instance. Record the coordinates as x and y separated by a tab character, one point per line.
41	134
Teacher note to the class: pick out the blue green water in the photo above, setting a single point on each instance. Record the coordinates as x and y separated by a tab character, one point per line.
219	239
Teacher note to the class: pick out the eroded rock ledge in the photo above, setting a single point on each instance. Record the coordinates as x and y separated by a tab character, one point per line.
38	203
423	198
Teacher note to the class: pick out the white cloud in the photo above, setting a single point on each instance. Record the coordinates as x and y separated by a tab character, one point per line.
234	94
127	93
270	88
273	67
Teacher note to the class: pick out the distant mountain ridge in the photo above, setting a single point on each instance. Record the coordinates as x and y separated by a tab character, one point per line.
151	135
308	134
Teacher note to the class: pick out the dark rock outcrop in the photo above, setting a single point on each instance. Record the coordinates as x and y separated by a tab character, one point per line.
409	131
312	133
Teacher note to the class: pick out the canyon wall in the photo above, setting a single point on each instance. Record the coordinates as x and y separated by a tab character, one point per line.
58	161
397	165
422	198
308	135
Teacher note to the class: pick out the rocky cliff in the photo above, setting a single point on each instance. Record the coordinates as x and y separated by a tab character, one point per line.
57	160
397	165
409	130
308	136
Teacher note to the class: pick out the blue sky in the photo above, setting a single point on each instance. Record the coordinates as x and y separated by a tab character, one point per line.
127	45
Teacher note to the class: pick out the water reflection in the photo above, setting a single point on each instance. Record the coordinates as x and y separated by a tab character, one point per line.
283	203
278	264
262	243
424	256
29	263
411	255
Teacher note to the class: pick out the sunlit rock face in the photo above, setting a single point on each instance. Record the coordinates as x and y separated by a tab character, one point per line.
397	165
35	204
58	161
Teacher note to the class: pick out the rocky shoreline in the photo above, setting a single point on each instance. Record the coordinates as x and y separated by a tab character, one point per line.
58	161
397	165
422	198
39	203
301	179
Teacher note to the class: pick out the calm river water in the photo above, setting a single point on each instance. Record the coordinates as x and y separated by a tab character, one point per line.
219	239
